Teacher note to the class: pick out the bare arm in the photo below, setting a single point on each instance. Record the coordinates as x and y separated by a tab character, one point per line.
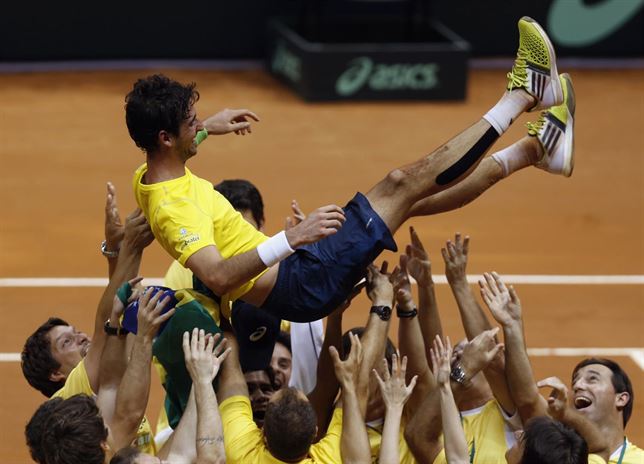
454	435
132	396
180	445
354	443
326	387
137	236
505	306
473	317
231	379
203	362
224	275
395	394
113	228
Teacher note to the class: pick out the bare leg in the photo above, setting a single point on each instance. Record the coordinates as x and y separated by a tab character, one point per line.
524	153
393	197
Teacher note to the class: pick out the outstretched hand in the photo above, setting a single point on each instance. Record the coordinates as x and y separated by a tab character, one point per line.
480	351
455	256
392	387
347	371
227	121
298	216
418	264
150	317
402	286
379	287
503	302
114	230
203	359
558	399
441	356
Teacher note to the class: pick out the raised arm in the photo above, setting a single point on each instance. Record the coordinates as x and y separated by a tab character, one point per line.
560	409
231	380
395	393
473	317
132	396
410	336
224	275
453	433
137	236
505	306
354	443
326	387
114	230
203	362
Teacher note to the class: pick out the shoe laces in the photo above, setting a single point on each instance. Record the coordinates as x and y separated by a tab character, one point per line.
517	77
535	127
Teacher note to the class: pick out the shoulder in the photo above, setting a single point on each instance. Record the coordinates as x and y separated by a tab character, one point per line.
77	382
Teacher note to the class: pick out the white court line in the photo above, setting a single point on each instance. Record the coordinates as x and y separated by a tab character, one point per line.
530	279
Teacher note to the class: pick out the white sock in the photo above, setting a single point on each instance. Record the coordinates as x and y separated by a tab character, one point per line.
516	156
508	108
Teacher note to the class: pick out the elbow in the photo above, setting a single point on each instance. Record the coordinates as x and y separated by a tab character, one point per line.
219	283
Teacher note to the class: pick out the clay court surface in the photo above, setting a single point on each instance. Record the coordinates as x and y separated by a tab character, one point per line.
63	137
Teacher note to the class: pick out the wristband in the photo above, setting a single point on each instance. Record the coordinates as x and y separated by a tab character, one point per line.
274	249
117	331
406	314
201	136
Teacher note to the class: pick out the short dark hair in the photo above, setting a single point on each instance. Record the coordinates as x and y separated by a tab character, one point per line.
37	361
35	428
74	432
285	339
289	425
620	380
125	455
154	104
547	440
243	195
390	349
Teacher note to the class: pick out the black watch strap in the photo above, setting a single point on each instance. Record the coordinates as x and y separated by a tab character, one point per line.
117	331
383	312
406	314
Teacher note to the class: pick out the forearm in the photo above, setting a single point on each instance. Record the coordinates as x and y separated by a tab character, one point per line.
453	433
412	345
472	315
390	445
132	397
519	374
373	348
354	443
210	437
224	275
423	431
326	387
596	440
182	441
428	315
231	378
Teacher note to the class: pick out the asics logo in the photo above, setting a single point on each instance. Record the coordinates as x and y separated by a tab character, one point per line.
572	23
258	334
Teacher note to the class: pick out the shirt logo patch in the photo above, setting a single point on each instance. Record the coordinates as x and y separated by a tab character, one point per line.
258	334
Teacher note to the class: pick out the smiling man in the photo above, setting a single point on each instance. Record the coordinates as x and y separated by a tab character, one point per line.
603	393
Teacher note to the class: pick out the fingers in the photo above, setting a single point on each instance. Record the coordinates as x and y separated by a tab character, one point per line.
297	211
513	296
331	209
335	357
186	346
466	245
415	241
244	113
384	267
554	383
499	283
412	384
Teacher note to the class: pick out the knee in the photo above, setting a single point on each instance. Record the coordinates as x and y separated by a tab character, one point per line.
397	178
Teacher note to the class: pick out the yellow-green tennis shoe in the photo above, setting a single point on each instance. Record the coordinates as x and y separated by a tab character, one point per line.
555	131
535	67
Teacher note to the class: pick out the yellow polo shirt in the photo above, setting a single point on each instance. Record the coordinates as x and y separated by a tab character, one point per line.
632	455
244	441
77	382
187	214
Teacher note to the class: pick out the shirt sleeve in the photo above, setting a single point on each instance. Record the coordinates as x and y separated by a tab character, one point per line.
241	435
327	450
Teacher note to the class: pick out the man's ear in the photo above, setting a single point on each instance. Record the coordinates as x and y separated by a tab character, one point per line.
57	376
622	399
165	138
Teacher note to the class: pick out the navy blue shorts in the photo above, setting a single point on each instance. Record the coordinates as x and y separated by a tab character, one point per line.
314	280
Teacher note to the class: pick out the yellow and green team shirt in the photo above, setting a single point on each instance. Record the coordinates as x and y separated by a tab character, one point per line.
187	214
631	454
489	434
77	383
374	433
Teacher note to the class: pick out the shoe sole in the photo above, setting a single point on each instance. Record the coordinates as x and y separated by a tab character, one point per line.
569	158
557	91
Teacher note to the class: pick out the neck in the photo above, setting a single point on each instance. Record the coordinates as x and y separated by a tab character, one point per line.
614	434
162	167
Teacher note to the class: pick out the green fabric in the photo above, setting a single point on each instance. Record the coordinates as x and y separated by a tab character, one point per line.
168	349
201	136
124	292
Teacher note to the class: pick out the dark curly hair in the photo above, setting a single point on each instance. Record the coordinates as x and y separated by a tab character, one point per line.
74	432
37	361
35	429
547	441
157	103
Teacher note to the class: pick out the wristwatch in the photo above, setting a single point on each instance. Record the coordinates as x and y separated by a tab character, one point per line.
118	331
406	314
105	252
457	374
383	312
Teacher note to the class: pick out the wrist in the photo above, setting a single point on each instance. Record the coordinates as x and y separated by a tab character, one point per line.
292	237
110	252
